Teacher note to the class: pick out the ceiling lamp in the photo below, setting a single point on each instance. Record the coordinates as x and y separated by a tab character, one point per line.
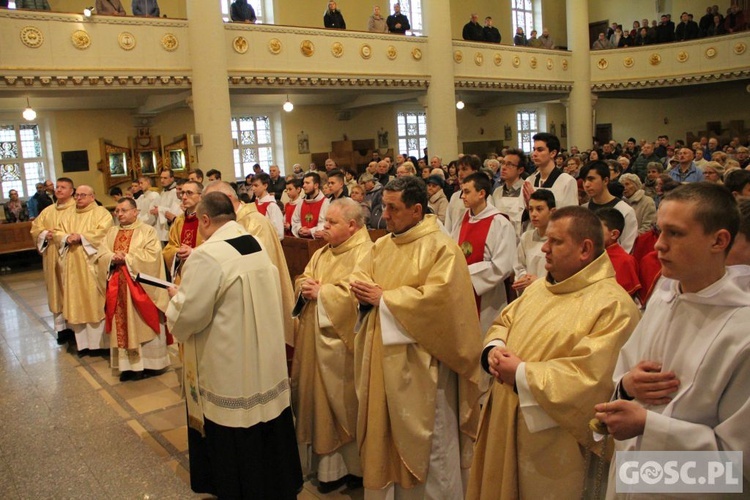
28	113
460	104
288	106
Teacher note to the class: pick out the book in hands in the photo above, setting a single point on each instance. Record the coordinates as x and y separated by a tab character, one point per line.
147	279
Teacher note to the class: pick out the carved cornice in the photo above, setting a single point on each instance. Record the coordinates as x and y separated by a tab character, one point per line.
510	85
671	81
510	48
322	81
102	81
298	30
80	19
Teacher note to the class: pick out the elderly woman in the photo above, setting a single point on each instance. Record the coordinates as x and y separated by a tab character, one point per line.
573	166
713	172
15	209
644	206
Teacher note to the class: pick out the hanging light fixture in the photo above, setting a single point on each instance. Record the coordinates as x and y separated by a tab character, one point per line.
28	113
288	106
88	12
460	104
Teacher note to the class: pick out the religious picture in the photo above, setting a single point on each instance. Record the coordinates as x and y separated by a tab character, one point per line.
563	130
118	164
177	159
553	129
303	143
383	139
147	162
508	133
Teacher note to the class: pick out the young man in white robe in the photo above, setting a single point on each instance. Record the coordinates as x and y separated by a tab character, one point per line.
683	378
227	313
547	175
530	260
310	215
467	165
266	203
488	241
508	197
167	208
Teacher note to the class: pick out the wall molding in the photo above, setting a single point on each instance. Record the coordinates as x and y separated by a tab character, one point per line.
671	81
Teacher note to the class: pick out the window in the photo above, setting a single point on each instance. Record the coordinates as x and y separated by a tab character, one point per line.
412	9
528	125
21	162
522	12
412	133
263	10
254	139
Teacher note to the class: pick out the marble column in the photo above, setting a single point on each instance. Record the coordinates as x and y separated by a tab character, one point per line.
580	116
440	101
211	106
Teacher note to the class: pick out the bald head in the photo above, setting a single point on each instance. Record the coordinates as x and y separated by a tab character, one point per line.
350	210
222	187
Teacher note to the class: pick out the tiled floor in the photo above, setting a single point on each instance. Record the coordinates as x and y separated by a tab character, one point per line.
71	429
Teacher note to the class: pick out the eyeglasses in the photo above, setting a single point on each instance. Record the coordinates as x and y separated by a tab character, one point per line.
188	193
82	195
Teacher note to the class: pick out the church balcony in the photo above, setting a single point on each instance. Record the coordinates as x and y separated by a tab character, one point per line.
705	60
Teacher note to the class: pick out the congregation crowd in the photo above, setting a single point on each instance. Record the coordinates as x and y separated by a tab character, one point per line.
464	353
712	23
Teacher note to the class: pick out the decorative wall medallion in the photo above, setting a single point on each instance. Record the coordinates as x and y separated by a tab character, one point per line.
365	51
516	61
126	40
682	56
565	65
32	37
478	58
550	64
391	52
628	62
274	46
416	54
458	56
337	49
81	40
602	63
240	45
739	48
169	42
711	52
533	62
498	59
307	48
654	60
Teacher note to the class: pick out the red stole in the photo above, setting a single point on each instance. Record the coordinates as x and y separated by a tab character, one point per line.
288	213
118	286
626	268
471	239
649	272
262	207
189	235
310	212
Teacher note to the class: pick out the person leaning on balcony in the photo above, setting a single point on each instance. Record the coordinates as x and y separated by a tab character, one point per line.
735	20
146	8
333	18
376	22
601	43
242	12
33	4
520	38
397	22
110	8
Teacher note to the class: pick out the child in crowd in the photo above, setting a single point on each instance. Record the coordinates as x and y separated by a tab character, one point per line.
293	190
626	268
266	203
530	261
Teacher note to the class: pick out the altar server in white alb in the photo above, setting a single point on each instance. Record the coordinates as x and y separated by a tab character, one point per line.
227	313
683	378
488	241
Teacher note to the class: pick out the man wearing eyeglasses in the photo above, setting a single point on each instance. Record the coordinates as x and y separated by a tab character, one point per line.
183	235
78	237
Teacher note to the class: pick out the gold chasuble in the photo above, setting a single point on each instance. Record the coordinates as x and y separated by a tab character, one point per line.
569	335
49	220
83	302
173	245
142	250
261	228
427	288
323	393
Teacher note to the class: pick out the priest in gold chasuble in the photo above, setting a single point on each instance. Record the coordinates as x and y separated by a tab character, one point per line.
323	393
552	353
42	232
417	350
78	238
134	312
